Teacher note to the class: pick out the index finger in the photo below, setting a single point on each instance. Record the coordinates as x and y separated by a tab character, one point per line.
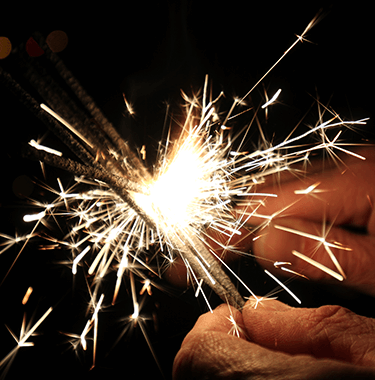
341	196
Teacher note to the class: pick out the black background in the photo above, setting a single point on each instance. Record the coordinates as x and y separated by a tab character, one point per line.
150	52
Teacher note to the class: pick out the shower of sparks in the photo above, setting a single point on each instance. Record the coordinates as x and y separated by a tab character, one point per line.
197	184
203	181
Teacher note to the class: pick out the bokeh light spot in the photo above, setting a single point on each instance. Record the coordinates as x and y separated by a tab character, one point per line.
57	41
33	49
5	47
23	186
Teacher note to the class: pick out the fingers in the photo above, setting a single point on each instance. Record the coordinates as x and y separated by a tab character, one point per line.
335	200
328	332
211	351
221	320
344	197
206	349
354	252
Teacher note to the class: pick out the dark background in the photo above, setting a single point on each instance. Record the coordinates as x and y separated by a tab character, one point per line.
150	52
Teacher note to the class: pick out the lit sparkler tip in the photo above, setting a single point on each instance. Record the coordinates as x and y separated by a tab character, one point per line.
195	186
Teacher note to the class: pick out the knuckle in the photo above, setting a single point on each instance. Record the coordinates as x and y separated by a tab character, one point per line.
330	318
332	330
193	357
332	313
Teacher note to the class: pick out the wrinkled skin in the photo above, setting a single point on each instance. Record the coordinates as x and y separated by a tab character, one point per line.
280	342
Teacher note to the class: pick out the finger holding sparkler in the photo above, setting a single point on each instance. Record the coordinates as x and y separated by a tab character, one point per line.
278	341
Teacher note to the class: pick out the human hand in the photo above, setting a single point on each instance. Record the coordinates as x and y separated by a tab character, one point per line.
340	205
278	342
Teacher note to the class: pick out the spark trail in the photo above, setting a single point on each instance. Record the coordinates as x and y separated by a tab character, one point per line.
120	217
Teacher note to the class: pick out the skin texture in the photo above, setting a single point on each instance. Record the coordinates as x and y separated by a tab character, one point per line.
280	342
342	211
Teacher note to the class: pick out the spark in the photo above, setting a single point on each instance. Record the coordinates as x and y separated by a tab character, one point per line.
146	287
235	330
143	152
92	322
135	315
308	190
22	340
34	217
318	265
280	265
129	106
273	99
192	187
129	220
300	38
10	241
321	239
282	285
64	122
27	295
27	335
78	259
256	301
35	145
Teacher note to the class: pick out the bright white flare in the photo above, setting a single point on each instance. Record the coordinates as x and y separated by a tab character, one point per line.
200	181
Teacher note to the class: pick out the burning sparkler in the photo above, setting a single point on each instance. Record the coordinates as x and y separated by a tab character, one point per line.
137	223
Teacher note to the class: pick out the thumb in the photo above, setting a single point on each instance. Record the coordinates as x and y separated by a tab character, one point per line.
354	252
327	332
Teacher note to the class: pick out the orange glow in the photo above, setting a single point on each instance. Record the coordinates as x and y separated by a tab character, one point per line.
57	41
5	47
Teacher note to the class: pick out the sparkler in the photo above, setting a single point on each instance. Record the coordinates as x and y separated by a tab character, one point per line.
130	218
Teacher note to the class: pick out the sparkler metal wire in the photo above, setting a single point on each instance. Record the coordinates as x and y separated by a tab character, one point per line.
116	224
